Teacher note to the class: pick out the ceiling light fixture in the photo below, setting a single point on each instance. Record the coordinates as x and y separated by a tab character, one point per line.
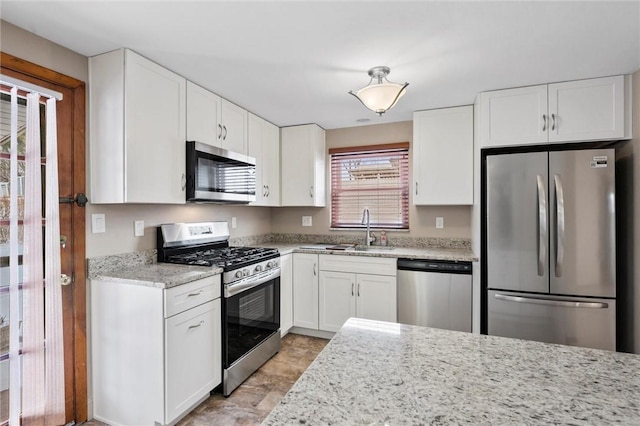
381	95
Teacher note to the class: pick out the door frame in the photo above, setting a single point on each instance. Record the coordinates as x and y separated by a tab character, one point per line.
76	365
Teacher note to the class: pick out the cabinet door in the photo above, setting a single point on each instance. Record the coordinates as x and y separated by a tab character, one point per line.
234	128
337	299
297	168
305	290
587	110
376	297
255	147
514	116
155	111
193	357
318	154
443	156
271	163
203	114
286	293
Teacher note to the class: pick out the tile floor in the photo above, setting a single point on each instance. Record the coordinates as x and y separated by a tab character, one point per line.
252	401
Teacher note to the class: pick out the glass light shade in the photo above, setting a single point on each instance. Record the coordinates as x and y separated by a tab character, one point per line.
380	97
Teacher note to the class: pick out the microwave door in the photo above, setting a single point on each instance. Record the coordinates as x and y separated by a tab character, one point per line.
517	222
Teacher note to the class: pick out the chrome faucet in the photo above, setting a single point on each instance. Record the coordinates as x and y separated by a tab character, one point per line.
365	221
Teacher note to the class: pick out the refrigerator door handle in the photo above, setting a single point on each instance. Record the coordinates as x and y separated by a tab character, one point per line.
542	224
552	302
559	225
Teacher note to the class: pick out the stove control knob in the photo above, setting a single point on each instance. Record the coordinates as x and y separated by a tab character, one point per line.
245	272
258	268
239	274
270	265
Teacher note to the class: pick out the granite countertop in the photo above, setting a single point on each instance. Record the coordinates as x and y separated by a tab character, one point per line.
159	275
379	373
432	253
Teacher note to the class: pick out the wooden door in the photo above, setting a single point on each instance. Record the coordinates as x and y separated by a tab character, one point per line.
71	163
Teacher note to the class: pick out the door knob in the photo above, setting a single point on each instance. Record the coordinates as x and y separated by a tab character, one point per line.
65	279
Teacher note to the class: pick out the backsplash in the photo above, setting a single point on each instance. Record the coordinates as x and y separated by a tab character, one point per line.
350	238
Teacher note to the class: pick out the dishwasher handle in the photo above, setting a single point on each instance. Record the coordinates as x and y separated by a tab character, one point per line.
440	266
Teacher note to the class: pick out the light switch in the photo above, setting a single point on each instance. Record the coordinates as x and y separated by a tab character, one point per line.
138	228
307	221
98	223
439	222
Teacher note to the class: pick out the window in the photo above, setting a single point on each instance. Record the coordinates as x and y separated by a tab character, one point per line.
374	177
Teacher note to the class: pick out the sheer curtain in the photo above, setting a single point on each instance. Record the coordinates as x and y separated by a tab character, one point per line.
36	388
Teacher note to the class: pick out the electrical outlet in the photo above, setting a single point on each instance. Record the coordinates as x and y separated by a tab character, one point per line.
138	228
307	221
439	222
98	223
234	222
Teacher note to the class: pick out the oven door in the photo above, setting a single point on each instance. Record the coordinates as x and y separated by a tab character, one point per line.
250	317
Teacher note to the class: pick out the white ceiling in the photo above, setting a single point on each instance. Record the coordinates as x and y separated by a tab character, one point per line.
293	62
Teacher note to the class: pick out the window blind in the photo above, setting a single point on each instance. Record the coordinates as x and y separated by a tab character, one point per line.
374	177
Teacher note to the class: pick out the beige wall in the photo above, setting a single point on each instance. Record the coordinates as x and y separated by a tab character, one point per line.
119	218
421	219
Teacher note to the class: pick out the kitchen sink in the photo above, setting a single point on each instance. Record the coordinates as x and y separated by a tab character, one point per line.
373	248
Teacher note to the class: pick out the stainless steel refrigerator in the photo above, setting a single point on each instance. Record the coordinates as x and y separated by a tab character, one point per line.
550	246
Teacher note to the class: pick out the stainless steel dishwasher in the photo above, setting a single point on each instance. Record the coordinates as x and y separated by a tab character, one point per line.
435	293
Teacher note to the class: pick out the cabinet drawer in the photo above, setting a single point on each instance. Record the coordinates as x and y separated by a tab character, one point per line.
358	264
186	296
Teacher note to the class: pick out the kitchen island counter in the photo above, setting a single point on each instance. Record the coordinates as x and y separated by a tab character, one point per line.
383	373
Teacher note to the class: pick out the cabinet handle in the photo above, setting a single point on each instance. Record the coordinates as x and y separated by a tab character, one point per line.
352	285
553	122
416	188
544	122
195	294
224	138
200	324
311	191
314	269
220	131
268	190
358	289
184	181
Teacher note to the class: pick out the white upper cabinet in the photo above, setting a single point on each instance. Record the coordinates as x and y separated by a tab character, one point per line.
138	128
303	166
443	156
264	146
215	121
233	123
574	111
203	115
514	116
587	110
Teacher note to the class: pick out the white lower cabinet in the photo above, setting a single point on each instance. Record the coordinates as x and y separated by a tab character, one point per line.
192	338
348	294
286	293
156	353
305	290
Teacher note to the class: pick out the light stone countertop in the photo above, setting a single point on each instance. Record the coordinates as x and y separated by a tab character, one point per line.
376	373
159	275
431	253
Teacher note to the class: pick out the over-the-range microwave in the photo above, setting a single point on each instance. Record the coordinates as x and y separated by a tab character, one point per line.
219	176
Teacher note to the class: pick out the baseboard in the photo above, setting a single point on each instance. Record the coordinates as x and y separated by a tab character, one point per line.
313	333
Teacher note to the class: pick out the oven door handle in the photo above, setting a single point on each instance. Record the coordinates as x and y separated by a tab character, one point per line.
234	289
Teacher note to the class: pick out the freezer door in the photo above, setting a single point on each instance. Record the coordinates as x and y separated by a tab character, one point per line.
517	222
583	247
585	322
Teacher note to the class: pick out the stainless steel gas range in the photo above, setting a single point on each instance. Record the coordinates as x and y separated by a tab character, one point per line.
251	290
